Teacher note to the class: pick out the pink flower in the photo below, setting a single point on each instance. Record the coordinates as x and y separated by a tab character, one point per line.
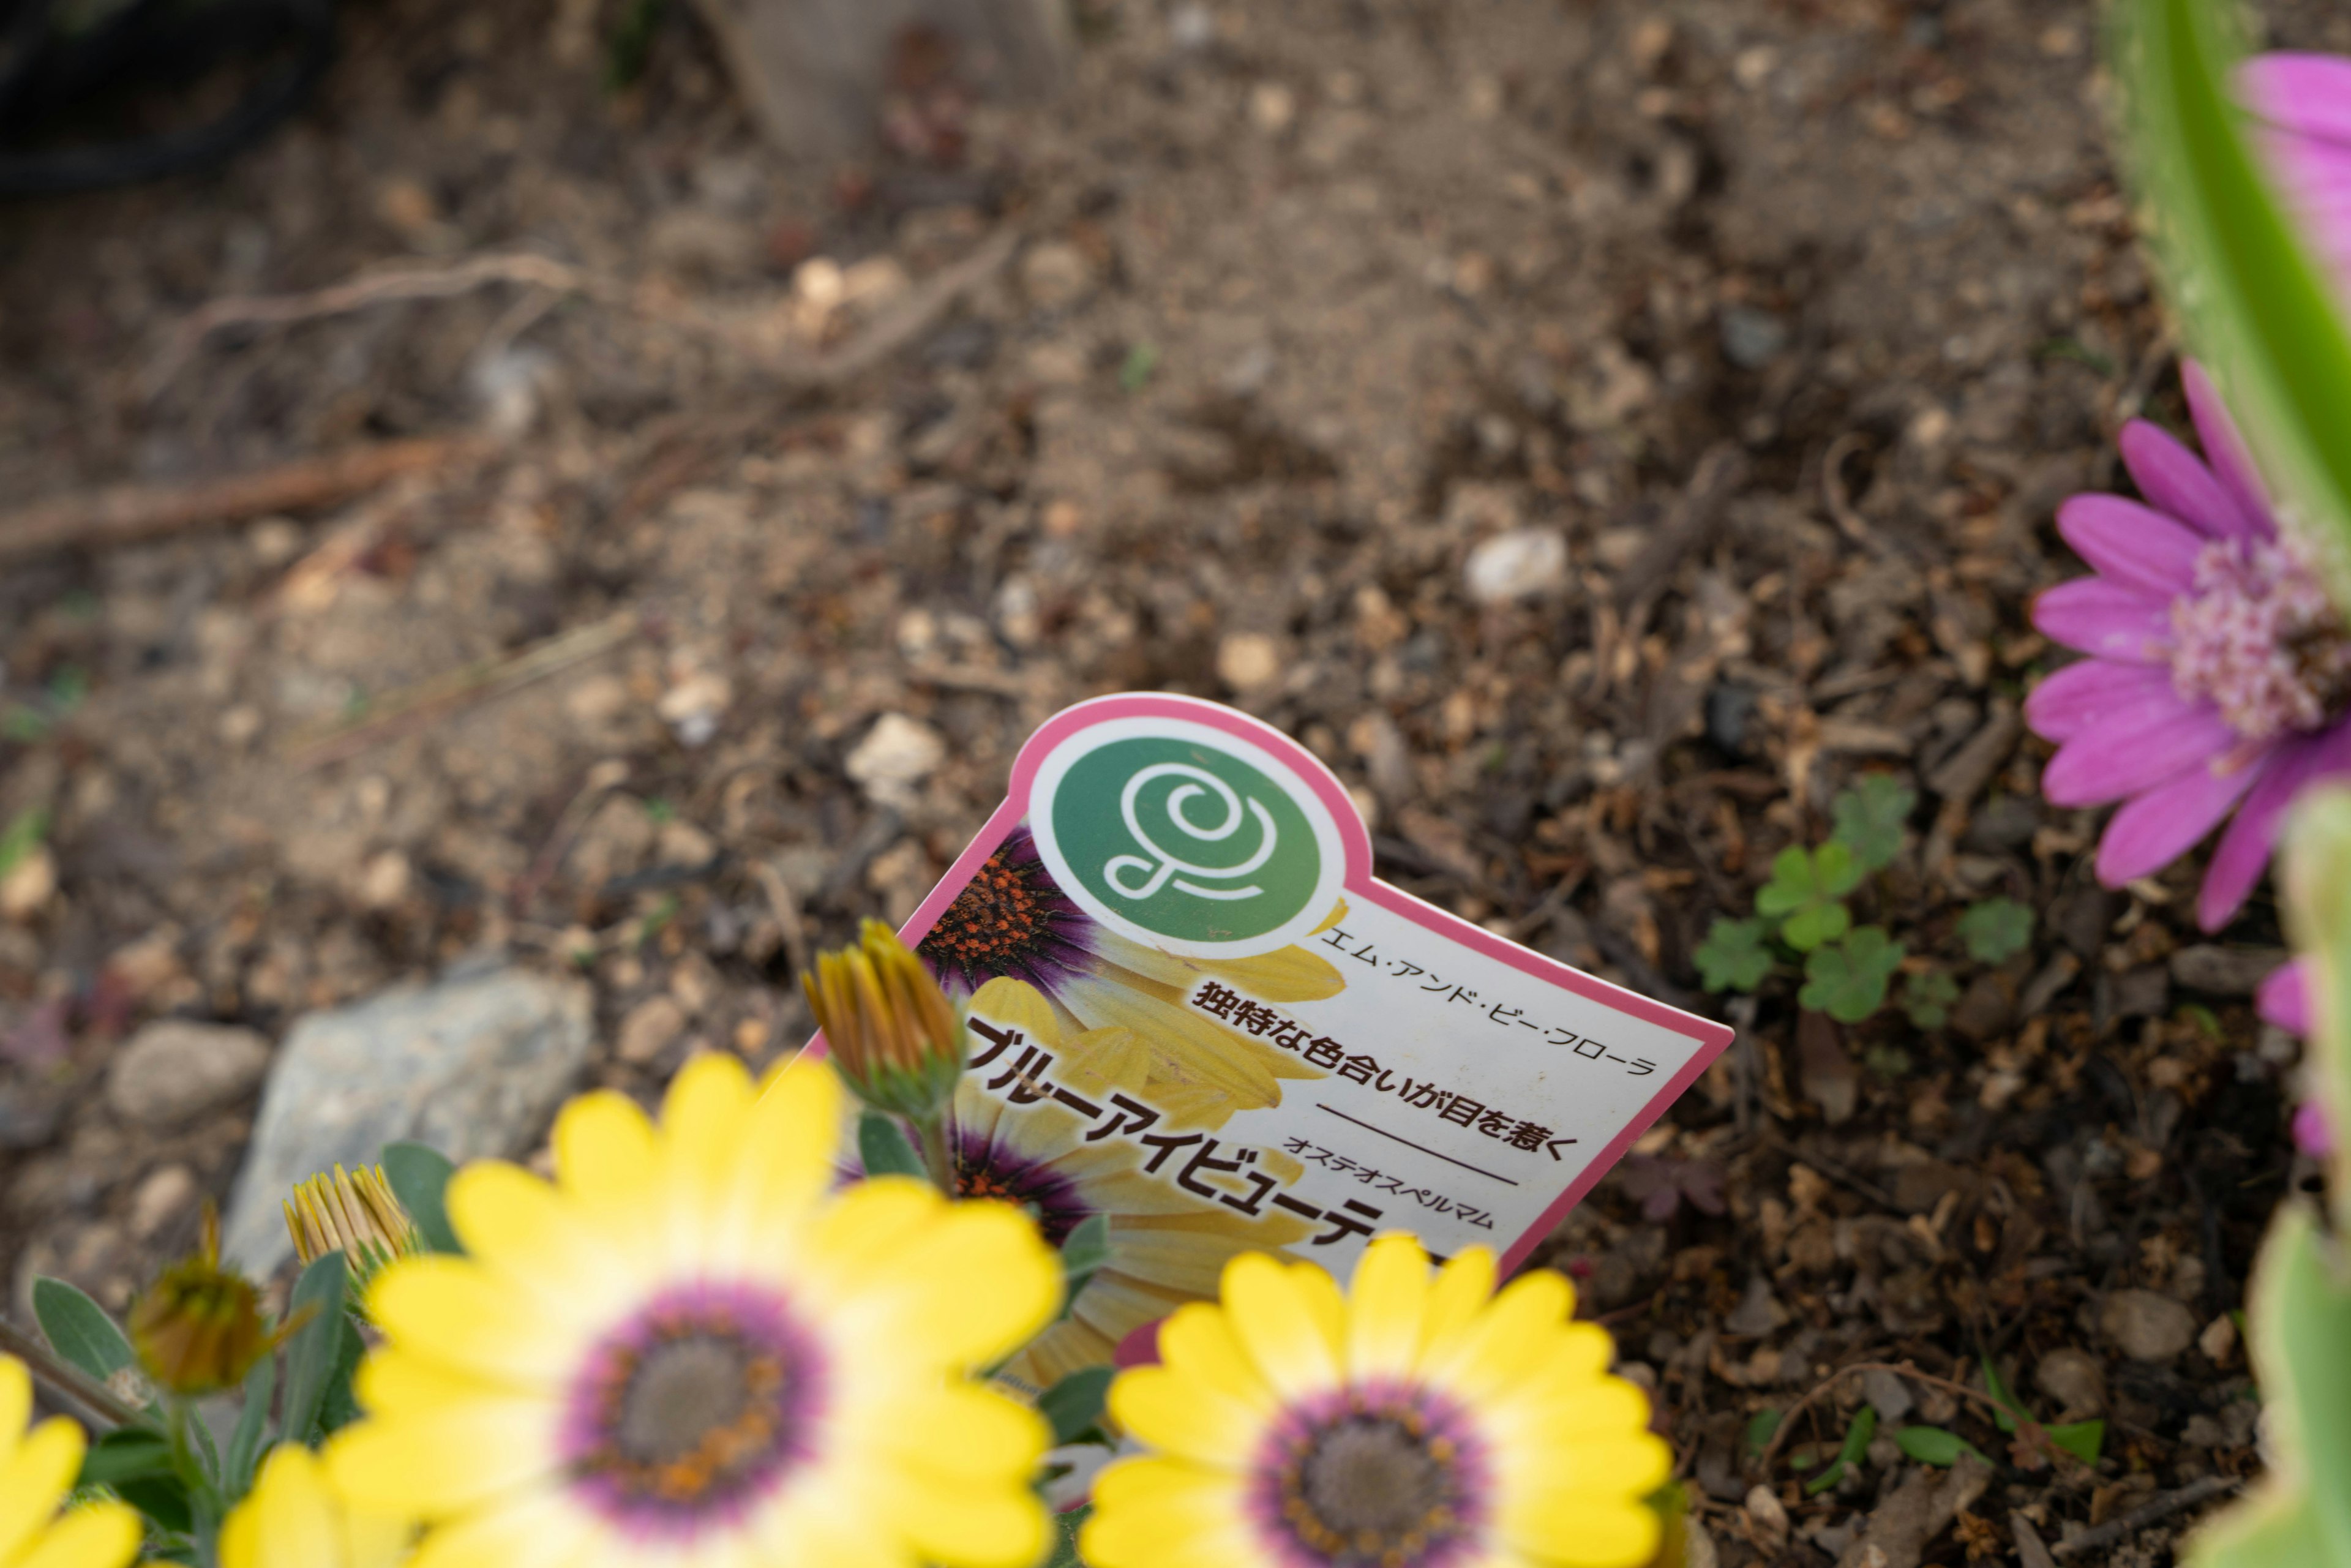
2304	102
2284	997
2220	671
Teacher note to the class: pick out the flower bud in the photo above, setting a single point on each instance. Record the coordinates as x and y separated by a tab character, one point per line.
354	1215
199	1327
895	1039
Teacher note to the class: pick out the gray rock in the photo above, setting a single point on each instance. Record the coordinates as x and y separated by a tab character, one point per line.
1888	1393
1757	1313
2076	1379
174	1069
472	1064
1752	339
2146	1326
2225	971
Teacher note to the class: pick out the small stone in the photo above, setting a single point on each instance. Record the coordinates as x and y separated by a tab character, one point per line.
1055	275
1248	661
648	1028
1757	1312
174	1069
1888	1393
2218	1340
2203	1432
1752	339
2146	1326
1524	563
1768	1519
472	1064
160	1199
896	754
693	706
2076	1379
1272	106
384	880
2224	971
30	885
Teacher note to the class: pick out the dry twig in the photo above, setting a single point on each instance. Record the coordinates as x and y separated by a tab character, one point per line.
2153	1512
124	514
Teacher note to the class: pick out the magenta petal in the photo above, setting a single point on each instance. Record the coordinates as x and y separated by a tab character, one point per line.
2080	695
2176	482
2284	997
2224	449
2095	616
2310	94
2244	849
2126	754
2134	546
2157	828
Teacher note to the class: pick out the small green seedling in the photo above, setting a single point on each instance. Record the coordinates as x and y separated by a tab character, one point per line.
1870	819
1847	981
1996	930
1805	890
1928	996
1733	956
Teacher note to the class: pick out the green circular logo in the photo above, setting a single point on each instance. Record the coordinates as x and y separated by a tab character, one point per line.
1184	837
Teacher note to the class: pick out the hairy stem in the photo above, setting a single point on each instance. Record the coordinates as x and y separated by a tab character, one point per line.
67	1379
938	1159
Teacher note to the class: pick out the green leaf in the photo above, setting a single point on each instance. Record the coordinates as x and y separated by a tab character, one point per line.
23	835
1928	996
1803	892
1848	980
1996	930
1934	1446
1135	371
2007	1408
79	1328
1733	957
163	1499
252	1428
339	1406
2259	309
311	1354
1065	1537
419	1175
1084	1252
1870	819
1759	1428
122	1453
1075	1405
1856	1445
2082	1439
883	1148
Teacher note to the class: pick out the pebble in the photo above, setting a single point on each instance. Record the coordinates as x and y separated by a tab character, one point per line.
1752	339
2224	971
160	1199
30	885
1888	1393
1769	1518
174	1069
1524	563
2074	1378
1055	275
896	754
650	1026
2146	1326
693	706
472	1064
1757	1313
1248	661
2218	1340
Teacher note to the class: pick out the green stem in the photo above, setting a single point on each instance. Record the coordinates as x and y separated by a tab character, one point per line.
67	1379
938	1158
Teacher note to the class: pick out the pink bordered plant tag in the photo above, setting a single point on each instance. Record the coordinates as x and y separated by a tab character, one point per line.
1195	1011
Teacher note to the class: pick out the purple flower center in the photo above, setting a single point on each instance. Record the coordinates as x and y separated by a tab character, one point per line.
2259	638
694	1410
986	1168
1010	919
1373	1478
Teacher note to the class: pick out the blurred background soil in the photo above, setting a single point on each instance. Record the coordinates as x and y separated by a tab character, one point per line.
1601	431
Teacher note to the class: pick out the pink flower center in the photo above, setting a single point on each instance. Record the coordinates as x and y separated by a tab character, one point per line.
2258	637
1373	1478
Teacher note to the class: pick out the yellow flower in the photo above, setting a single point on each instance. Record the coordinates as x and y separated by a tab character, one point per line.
684	1351
199	1327
1419	1425
292	1518
1167	1246
895	1038
36	1470
354	1215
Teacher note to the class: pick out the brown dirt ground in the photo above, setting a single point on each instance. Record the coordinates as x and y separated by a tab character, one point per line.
1311	301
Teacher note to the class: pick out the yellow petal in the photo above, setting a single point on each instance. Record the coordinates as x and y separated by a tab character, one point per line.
1198	1341
1386	1309
1279	1323
1186	1418
1016	1004
604	1150
1164	1513
1581	1529
968	1288
827	1526
1604	1409
16	1405
790	1143
1289	974
702	1122
1459	1294
864	1228
969	1527
447	1460
456	1311
99	1535
35	1475
1503	1344
1622	1463
396	1382
544	1528
294	1522
967	1434
569	1260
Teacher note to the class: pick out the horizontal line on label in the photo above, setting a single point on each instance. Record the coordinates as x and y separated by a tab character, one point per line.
1408	1143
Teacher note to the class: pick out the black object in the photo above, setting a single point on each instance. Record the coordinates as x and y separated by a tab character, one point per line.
56	66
